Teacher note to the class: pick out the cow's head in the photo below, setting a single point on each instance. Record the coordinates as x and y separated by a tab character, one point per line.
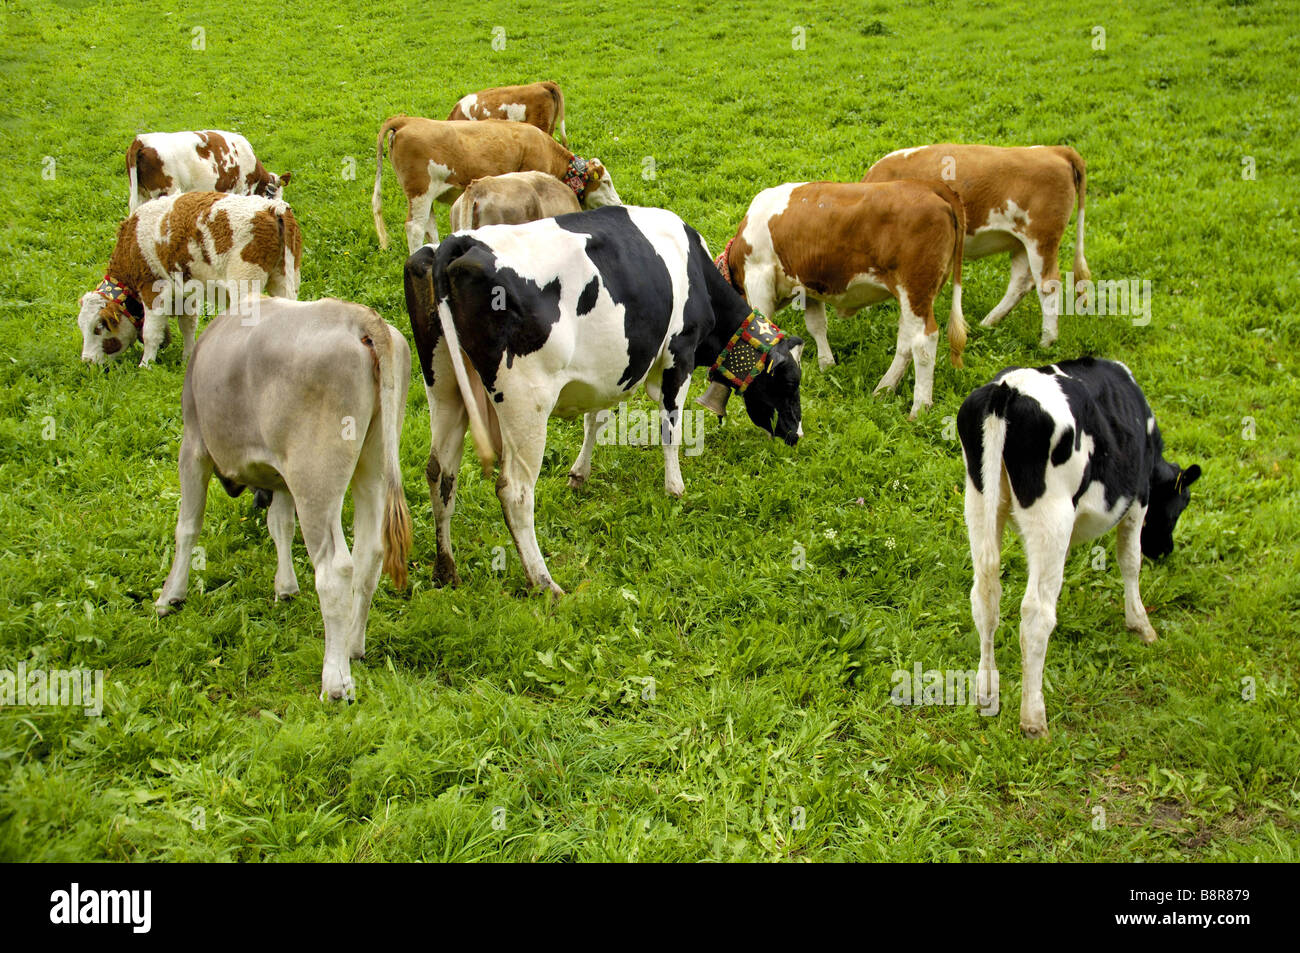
108	325
275	184
598	186
772	398
1169	497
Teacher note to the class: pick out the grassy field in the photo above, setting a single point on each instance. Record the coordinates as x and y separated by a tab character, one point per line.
716	686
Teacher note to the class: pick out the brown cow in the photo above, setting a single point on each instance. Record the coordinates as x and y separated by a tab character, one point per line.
1017	200
512	199
852	245
538	104
437	160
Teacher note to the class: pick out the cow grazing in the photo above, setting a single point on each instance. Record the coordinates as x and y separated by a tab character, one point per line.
233	245
852	245
169	163
512	199
247	244
1017	200
538	104
437	160
1068	451
567	316
301	403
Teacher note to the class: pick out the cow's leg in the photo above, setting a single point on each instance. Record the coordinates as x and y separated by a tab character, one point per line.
676	384
986	589
925	347
1128	543
448	420
420	221
188	324
153	333
1046	270
281	523
1021	281
523	437
814	317
195	469
321	515
1046	537
367	538
581	468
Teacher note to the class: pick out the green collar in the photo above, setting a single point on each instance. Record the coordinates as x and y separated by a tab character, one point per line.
746	354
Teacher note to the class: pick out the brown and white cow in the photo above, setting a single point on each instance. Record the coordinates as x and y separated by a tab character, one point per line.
512	199
176	254
169	163
437	160
1017	200
852	245
538	104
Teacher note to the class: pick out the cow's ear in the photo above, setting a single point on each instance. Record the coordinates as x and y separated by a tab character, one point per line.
284	178
1189	476
595	171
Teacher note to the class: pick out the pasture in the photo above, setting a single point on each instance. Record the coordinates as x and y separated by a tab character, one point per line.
716	684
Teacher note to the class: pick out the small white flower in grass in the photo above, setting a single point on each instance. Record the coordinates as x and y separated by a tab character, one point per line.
830	534
889	542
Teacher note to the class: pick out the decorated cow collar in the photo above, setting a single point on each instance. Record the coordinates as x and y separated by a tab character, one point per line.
116	293
575	177
723	261
747	353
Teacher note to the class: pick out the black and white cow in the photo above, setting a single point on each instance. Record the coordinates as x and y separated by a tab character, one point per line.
1069	451
567	316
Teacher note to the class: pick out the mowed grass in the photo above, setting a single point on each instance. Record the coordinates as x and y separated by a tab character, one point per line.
716	684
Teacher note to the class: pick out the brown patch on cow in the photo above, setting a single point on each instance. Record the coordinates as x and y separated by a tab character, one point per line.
149	175
213	148
740	249
258	181
265	247
223	236
543	105
128	266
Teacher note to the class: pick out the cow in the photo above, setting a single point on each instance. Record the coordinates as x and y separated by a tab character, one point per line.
437	160
538	104
239	245
852	245
512	199
567	316
305	401
1017	200
169	163
1068	451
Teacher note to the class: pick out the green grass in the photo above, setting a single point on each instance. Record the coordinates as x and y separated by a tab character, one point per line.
771	684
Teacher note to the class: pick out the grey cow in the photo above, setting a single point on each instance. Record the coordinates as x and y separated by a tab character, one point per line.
303	399
512	199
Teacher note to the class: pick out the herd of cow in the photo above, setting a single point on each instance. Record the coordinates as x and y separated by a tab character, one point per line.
551	298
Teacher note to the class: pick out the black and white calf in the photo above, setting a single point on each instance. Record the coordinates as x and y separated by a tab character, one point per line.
567	316
1069	451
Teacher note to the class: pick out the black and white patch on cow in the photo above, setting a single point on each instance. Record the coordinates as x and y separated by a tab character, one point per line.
566	317
1069	452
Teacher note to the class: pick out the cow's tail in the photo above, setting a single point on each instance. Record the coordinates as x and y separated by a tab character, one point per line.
132	176
956	322
558	95
396	529
387	130
989	557
484	443
290	248
1080	169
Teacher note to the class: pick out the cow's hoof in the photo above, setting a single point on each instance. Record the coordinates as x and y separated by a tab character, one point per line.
828	362
168	607
1146	634
990	321
338	689
576	481
988	705
676	492
1037	732
1047	341
286	596
549	586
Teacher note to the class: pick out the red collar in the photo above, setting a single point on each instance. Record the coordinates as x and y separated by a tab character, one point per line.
723	261
114	292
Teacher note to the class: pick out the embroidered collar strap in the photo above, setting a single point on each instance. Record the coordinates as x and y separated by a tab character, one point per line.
747	353
114	292
723	261
575	176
